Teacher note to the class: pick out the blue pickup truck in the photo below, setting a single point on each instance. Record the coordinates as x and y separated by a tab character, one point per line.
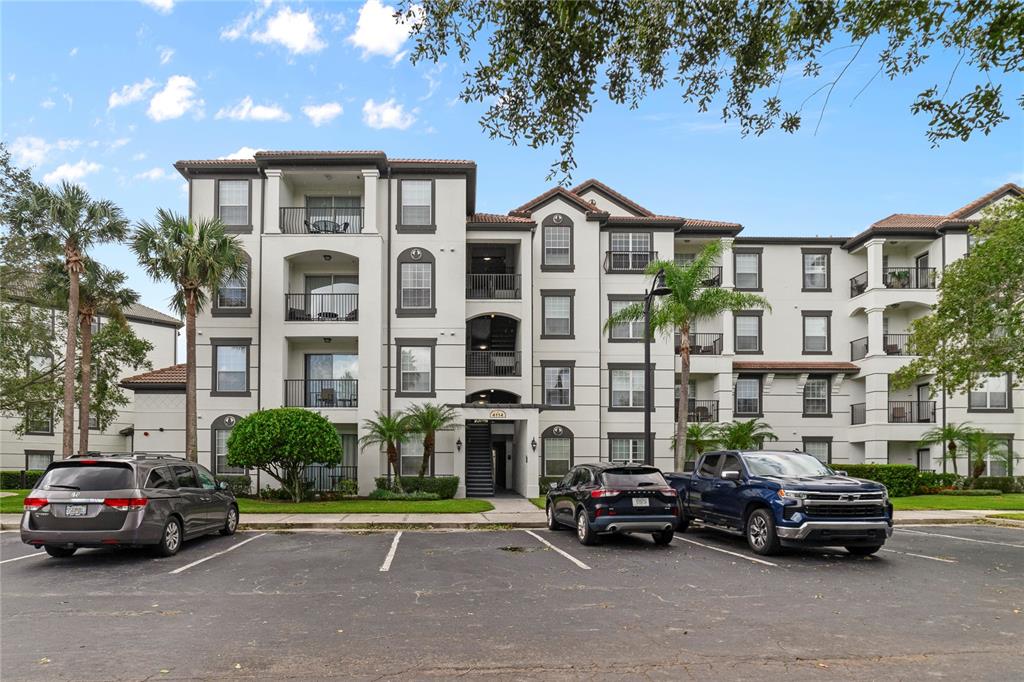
778	499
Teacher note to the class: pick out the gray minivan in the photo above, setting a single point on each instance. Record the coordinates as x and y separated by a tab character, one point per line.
125	500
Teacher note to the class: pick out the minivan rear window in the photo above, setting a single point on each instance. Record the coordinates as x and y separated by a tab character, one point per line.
88	477
633	478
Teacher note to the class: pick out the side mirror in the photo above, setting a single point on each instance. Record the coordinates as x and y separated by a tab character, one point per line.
222	485
731	475
553	485
841	473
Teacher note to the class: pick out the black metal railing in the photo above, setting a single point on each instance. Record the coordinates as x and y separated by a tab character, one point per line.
493	286
492	363
323	478
908	278
705	343
858	348
858	284
701	410
628	261
911	411
858	413
342	220
714	278
895	344
321	393
321	307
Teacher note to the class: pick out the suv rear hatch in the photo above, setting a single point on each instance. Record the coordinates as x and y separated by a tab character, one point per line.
84	495
636	491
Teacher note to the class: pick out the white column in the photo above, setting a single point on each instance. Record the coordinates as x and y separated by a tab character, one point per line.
272	205
876	398
728	271
876	452
874	248
875	326
723	394
728	329
370	178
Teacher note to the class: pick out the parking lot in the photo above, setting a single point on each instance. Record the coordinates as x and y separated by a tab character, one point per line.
939	601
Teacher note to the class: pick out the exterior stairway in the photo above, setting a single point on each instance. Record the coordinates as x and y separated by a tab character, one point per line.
479	466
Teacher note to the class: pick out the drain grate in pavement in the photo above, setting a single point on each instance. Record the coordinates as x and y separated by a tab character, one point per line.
514	548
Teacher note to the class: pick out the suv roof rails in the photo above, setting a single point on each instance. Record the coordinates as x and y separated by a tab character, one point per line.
123	455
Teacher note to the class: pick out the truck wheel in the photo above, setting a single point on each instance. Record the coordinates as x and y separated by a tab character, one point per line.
549	511
761	535
663	537
684	523
863	551
59	552
584	533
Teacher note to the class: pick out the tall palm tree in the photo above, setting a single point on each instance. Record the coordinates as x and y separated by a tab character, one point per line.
195	256
428	419
389	430
746	435
689	300
67	221
951	437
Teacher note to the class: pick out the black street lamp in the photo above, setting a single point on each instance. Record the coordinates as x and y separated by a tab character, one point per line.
658	288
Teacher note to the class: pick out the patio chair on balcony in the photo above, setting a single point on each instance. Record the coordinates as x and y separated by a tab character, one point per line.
892	349
297	314
323	226
700	414
352	315
898	414
327	398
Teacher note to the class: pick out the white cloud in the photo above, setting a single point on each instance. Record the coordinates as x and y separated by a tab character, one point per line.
119	142
48	103
140	156
161	6
132	92
154	174
176	99
71	172
296	31
387	114
29	150
433	78
319	114
244	23
12	76
377	32
247	111
242	153
166	54
69	99
73	52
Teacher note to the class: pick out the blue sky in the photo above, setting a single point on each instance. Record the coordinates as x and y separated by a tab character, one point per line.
110	94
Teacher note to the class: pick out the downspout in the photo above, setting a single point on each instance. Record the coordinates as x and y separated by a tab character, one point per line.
943	386
387	311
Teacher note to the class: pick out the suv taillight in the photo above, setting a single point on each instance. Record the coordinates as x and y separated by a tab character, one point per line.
668	491
126	503
34	503
602	492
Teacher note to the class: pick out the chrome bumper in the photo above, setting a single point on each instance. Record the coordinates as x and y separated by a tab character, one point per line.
637	527
807	527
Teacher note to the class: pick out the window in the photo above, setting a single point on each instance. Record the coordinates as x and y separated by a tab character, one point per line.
630	331
709	465
684	260
992	393
748	333
230	366
342	211
186	476
39	420
411	457
94	422
39	364
819	448
816	269
557	311
627	388
233	202
37	460
416	278
416	366
816	332
630	251
206	479
732	463
161	478
557	384
748	396
94	324
626	447
220	429
233	292
556	450
557	243
748	269
816	397
417	203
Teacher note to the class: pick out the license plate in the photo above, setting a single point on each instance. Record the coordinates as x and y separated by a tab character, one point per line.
641	502
75	510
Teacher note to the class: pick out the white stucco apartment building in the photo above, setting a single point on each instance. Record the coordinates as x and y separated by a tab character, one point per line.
375	284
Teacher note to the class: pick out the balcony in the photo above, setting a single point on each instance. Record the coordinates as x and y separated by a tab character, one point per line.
859	348
493	363
702	343
895	344
340	220
908	278
488	286
702	411
628	261
911	411
321	393
858	284
858	413
314	307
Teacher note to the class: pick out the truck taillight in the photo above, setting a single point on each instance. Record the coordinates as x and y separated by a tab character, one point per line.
602	492
34	503
126	503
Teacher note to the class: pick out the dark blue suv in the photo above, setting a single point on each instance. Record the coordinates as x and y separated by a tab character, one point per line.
605	497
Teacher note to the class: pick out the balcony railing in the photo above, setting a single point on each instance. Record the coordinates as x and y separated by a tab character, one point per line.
493	286
323	478
628	261
705	343
702	411
908	278
342	220
895	344
858	284
321	393
911	411
321	307
714	277
492	363
858	413
858	348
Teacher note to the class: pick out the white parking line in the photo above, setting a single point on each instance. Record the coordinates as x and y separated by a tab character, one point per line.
386	566
216	554
921	556
27	556
957	537
568	556
725	551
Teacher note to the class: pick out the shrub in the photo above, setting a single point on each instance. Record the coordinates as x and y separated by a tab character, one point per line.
972	492
930	482
444	487
899	479
385	494
269	493
1007	484
546	481
239	484
346	487
17	480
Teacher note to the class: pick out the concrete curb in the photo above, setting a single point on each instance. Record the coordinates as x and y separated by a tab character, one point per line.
356	525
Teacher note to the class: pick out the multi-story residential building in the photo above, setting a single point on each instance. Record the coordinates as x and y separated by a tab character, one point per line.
375	284
41	442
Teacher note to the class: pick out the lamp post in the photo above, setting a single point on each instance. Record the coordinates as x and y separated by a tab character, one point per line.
658	288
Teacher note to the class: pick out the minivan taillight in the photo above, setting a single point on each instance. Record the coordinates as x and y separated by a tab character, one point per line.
126	503
602	492
34	503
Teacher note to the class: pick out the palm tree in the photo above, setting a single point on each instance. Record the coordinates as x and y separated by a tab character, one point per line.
69	222
195	256
703	436
748	435
390	431
951	437
428	419
982	446
689	300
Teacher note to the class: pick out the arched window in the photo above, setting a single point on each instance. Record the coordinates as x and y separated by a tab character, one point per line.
232	297
556	450
219	430
557	242
416	284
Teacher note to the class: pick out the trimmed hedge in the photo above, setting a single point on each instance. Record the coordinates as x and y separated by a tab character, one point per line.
384	494
899	479
240	484
545	480
931	482
1006	484
346	487
972	492
19	480
444	487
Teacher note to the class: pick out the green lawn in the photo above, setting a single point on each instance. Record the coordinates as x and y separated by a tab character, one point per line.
539	502
13	504
1011	502
1015	517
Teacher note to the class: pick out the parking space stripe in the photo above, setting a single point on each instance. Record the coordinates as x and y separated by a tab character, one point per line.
725	551
216	554
921	556
568	556
19	558
386	566
957	537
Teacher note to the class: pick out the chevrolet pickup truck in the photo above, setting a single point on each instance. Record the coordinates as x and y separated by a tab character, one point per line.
784	499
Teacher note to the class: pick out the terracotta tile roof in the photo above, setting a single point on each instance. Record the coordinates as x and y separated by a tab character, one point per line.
700	222
213	163
580	203
909	221
620	198
320	153
175	374
436	162
1008	188
498	219
794	366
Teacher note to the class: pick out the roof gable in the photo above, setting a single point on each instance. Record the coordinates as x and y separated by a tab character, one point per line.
622	201
1009	189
